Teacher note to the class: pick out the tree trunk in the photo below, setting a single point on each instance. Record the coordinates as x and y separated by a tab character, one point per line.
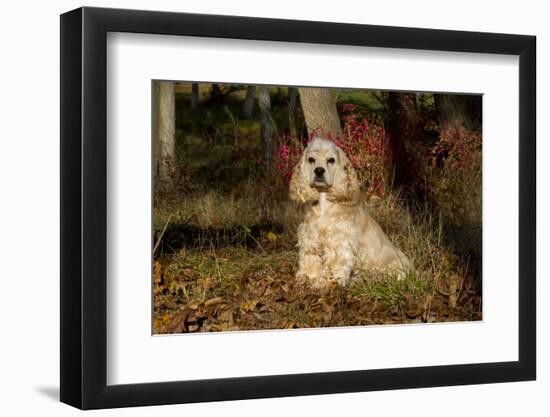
216	92
320	113
248	106
166	135
264	102
292	95
458	111
194	96
292	102
399	128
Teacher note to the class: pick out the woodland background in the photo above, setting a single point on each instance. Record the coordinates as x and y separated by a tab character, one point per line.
225	231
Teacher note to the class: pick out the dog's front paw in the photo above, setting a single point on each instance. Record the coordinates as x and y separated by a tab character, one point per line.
400	268
400	274
313	282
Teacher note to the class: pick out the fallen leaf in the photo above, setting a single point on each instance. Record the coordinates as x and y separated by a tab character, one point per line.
213	301
193	305
226	316
248	306
157	273
177	324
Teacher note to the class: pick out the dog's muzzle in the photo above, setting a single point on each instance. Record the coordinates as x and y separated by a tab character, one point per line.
319	178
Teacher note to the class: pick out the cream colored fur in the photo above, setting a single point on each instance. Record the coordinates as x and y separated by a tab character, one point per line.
337	236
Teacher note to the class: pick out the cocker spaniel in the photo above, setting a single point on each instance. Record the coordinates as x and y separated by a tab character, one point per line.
337	236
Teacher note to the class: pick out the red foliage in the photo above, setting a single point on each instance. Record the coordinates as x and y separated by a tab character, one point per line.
367	145
287	157
457	148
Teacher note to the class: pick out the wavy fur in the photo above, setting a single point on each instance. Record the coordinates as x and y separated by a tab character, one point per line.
337	236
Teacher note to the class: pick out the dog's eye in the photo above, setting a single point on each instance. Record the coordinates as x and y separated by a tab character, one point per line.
331	160
311	160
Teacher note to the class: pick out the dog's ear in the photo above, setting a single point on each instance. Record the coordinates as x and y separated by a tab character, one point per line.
299	189
345	189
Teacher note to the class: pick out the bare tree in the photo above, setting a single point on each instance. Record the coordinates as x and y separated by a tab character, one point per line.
248	106
166	135
194	96
264	101
320	111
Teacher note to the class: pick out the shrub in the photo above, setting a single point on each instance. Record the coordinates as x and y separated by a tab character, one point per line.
454	186
366	143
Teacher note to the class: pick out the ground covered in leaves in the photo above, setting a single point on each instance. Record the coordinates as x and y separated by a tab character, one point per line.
222	289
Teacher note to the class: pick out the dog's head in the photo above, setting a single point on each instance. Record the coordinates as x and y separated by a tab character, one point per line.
324	168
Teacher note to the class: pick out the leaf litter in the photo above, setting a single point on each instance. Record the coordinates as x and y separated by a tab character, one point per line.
225	289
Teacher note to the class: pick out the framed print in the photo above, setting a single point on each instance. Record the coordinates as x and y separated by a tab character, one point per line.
255	208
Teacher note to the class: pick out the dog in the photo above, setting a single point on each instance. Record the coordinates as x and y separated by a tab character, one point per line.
337	235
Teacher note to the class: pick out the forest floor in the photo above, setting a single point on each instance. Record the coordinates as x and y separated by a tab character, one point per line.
203	290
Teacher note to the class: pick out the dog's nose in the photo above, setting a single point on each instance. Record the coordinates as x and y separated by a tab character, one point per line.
319	171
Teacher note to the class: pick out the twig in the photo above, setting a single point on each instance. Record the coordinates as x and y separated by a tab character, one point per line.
161	235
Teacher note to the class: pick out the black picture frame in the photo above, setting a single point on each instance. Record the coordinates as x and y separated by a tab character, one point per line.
84	207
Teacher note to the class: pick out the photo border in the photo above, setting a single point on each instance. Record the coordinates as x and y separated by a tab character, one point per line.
84	207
